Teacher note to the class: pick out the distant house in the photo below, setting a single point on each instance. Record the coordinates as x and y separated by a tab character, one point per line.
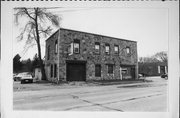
79	56
153	68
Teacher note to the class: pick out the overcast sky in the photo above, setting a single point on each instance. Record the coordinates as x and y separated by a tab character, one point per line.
149	27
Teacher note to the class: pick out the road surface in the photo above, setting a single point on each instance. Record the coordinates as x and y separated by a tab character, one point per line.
136	97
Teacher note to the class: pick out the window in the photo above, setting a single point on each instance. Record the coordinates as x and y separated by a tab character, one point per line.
98	70
124	71
76	46
128	50
51	71
116	49
70	49
56	47
55	70
110	69
48	53
97	47
107	49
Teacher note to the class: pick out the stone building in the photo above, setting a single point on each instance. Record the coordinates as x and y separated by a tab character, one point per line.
79	56
153	68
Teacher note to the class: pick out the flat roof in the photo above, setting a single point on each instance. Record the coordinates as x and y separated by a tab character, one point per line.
90	34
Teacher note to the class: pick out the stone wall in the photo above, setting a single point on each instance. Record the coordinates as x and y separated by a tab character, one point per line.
87	53
53	59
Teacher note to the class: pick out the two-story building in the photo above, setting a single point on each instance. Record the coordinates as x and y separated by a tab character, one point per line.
80	56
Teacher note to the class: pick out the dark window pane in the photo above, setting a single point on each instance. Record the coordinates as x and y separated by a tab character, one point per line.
98	70
55	70
48	51
110	69
51	70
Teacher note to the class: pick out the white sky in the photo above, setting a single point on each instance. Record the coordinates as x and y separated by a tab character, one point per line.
149	27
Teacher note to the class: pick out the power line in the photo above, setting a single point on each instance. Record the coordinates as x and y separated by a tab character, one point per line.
51	8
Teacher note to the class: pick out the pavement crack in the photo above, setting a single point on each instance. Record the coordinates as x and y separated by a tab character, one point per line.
141	97
102	105
92	104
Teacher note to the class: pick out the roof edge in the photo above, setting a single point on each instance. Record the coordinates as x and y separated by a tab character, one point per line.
89	33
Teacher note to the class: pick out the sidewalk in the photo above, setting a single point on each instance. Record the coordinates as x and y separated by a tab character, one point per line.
120	82
100	82
44	85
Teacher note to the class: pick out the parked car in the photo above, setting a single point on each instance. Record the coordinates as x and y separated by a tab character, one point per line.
164	76
26	78
16	77
140	75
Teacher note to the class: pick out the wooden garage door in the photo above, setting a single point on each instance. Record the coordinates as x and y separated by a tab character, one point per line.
76	72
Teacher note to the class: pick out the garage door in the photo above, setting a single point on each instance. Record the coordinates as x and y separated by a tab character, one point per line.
76	71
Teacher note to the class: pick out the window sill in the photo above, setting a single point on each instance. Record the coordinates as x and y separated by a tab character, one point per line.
97	53
97	76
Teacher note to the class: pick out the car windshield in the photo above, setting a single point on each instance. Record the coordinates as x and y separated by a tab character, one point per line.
24	74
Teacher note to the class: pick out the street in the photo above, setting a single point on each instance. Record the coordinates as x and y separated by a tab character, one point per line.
134	97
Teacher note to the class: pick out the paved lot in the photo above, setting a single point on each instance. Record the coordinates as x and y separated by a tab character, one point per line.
147	96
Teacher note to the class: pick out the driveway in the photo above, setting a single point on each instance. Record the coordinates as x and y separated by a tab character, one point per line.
79	96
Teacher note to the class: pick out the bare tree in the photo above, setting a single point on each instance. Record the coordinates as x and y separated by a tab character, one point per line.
158	57
36	27
147	59
161	56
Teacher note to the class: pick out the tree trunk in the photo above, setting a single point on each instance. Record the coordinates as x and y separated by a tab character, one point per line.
39	47
41	62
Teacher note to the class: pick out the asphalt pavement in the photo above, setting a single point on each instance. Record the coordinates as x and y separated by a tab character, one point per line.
79	96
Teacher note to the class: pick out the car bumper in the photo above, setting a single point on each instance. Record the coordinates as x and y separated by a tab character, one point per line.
26	81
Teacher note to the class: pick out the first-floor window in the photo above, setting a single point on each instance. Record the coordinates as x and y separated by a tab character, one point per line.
110	69
55	70
51	70
124	71
98	70
48	52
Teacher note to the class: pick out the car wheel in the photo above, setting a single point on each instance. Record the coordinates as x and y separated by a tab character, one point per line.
31	81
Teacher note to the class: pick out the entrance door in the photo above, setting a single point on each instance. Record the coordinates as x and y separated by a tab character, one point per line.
127	72
76	71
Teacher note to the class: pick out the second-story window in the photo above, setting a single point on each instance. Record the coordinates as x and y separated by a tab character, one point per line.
116	49
97	47
56	47
128	50
107	49
76	46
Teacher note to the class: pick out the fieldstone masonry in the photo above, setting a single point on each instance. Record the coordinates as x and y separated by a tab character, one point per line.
87	53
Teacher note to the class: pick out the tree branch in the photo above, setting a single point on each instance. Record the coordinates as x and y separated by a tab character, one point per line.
26	11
